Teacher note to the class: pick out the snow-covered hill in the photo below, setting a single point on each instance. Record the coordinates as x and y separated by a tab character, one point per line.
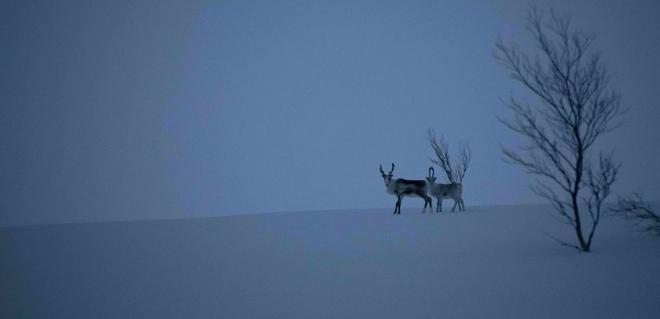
491	262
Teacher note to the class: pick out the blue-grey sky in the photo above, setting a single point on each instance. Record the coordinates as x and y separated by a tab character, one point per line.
145	109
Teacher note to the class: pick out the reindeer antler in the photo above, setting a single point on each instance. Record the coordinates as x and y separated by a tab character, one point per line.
392	170
431	172
381	169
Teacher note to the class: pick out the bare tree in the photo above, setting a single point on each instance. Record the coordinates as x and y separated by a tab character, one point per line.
454	170
575	107
637	208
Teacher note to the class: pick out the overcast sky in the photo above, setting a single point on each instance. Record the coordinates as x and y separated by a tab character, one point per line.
147	109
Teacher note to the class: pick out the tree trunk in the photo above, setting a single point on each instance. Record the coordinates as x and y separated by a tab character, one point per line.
584	246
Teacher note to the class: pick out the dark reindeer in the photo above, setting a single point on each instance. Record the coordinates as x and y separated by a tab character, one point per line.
403	187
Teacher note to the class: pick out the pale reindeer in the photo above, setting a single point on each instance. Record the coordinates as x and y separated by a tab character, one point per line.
441	191
454	170
403	187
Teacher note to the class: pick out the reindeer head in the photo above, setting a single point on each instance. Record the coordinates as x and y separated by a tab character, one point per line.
387	177
431	178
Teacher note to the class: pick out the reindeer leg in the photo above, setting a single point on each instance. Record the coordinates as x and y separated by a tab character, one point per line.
423	196
398	205
429	200
439	205
462	204
454	208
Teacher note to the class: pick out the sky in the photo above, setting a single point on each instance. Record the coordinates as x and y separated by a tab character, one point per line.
113	110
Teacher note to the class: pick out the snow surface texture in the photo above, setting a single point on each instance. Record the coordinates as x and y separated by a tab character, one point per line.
484	263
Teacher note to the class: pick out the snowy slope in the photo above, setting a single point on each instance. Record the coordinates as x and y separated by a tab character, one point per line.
485	263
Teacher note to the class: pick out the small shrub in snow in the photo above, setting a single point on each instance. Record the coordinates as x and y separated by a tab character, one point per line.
635	207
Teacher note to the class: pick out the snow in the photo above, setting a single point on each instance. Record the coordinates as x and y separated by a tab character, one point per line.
488	262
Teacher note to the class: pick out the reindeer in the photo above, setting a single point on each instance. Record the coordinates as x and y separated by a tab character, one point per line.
403	187
454	168
440	191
